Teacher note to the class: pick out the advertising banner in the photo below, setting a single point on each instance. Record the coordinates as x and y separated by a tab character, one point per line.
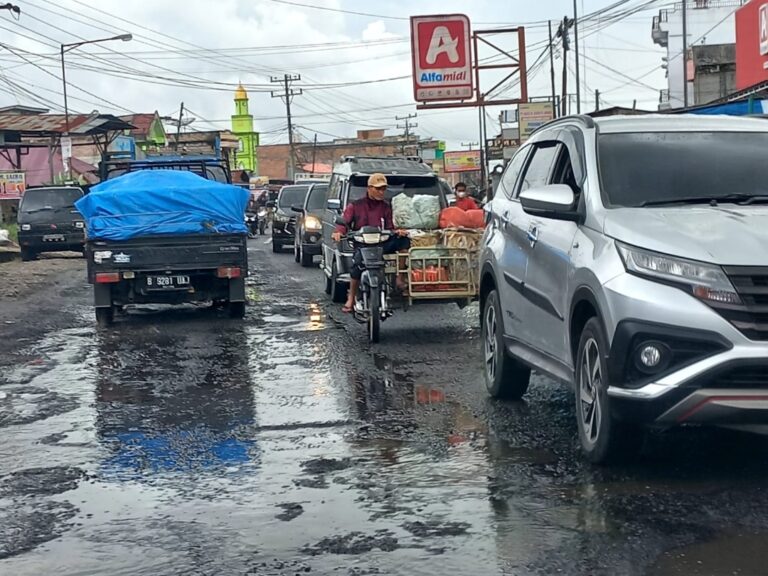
12	185
462	161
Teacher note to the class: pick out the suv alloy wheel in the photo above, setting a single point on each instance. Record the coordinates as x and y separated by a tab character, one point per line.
602	437
505	377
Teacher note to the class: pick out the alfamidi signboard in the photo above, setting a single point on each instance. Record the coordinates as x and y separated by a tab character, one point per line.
442	58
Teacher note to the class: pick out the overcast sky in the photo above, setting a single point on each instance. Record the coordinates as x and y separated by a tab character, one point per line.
196	51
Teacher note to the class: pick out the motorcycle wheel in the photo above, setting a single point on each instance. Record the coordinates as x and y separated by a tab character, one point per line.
374	316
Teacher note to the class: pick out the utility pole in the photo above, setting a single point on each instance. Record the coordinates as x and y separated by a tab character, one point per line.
470	145
407	127
178	128
576	42
597	100
685	53
314	153
286	96
552	69
562	32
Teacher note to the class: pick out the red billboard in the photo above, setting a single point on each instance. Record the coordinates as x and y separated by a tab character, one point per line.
442	58
752	44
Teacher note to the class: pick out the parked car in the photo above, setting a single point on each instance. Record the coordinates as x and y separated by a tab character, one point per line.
309	225
349	182
284	218
49	222
626	256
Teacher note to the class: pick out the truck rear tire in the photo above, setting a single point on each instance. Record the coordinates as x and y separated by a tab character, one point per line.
237	309
105	316
307	260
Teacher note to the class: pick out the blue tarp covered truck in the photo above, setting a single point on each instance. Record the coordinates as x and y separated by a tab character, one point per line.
165	237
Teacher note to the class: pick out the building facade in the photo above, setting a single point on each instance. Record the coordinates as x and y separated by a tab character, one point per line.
708	22
242	127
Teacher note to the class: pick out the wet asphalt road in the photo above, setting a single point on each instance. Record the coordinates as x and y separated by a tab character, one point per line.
184	443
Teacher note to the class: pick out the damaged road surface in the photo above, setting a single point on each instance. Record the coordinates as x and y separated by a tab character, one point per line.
180	442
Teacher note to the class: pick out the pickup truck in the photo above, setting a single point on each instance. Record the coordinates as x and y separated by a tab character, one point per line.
165	237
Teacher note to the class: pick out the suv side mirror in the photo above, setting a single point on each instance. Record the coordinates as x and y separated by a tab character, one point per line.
333	204
556	201
298	208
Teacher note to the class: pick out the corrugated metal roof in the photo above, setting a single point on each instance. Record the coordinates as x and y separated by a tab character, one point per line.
54	124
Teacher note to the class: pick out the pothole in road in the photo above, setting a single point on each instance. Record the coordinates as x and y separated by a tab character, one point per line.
290	511
434	528
24	527
354	543
37	481
27	404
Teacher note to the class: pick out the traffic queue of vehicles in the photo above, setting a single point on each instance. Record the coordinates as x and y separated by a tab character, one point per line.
624	256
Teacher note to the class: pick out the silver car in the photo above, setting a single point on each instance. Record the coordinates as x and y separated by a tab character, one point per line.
628	256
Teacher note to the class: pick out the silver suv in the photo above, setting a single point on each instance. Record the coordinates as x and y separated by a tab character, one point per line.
628	256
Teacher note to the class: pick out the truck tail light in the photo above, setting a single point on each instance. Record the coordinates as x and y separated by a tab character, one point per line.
227	272
107	277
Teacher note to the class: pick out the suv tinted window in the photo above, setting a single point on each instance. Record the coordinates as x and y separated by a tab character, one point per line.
511	174
317	197
49	199
409	185
537	173
668	166
291	195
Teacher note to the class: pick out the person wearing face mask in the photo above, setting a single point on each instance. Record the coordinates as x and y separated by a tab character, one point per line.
372	210
463	200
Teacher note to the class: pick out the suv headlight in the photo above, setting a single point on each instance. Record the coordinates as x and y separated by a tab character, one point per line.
705	281
312	223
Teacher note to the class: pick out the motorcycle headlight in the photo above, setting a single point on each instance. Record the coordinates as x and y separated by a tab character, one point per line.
312	223
705	281
26	227
373	238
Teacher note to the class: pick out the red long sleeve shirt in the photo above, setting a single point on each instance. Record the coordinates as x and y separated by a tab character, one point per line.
466	203
367	212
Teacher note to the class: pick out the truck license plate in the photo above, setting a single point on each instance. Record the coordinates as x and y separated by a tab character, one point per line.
167	282
53	238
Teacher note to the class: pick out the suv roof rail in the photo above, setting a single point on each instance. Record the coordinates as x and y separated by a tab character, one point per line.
588	121
353	158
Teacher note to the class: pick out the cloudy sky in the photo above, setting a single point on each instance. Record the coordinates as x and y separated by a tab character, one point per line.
353	57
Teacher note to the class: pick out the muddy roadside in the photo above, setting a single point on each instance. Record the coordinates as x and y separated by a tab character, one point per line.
32	297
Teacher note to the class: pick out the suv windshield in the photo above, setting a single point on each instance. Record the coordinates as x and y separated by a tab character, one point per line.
317	197
409	185
36	200
292	195
666	167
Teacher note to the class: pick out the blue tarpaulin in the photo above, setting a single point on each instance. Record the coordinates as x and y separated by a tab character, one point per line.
162	202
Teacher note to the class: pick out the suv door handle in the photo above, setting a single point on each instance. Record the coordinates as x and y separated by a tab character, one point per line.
533	235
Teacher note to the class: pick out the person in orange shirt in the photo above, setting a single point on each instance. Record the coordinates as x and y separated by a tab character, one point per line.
463	199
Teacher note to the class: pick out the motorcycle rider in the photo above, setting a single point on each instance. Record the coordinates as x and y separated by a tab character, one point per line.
372	210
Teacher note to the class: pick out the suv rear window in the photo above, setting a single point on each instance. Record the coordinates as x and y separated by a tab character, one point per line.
410	185
49	199
649	167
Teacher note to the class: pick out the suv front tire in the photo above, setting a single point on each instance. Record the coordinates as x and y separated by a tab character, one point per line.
505	377
603	439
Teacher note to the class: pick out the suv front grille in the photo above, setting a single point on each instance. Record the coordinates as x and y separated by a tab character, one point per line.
751	318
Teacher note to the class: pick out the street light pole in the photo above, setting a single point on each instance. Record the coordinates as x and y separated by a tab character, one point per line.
66	48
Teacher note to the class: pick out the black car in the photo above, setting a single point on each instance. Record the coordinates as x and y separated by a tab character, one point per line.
284	219
308	239
49	222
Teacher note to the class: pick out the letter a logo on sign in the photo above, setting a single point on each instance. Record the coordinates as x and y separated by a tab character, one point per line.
443	43
763	18
442	59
